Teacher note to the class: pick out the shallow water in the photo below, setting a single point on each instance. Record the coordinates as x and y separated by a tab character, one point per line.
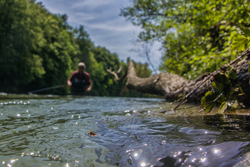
53	131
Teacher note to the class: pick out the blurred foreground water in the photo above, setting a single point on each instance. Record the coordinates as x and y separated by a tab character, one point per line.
52	131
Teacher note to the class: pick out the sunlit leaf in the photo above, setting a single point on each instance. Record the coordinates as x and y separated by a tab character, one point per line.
223	107
240	43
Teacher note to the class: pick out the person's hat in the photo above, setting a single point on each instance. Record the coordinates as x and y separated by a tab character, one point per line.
81	64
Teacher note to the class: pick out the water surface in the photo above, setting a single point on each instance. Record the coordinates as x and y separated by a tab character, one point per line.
53	131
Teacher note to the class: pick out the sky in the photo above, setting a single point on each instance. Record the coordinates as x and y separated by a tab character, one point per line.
105	27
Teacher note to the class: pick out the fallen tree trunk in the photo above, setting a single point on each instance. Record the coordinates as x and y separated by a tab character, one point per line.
173	86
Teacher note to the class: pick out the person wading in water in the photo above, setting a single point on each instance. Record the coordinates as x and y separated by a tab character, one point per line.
79	80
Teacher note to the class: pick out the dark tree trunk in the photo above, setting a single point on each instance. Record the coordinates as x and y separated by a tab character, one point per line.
173	86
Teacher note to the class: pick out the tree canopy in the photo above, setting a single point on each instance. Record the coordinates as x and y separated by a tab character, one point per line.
196	35
39	49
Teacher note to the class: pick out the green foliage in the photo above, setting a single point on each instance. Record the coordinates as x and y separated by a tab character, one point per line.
103	82
224	92
19	38
196	35
36	48
39	49
240	43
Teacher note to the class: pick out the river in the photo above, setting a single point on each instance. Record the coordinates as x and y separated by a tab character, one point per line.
52	131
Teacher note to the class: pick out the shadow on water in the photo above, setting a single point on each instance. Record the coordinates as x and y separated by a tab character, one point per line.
215	140
53	131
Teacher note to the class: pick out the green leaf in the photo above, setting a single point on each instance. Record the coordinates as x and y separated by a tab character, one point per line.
209	96
245	30
240	43
222	78
233	106
223	107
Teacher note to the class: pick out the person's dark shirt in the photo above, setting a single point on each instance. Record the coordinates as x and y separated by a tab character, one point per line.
79	77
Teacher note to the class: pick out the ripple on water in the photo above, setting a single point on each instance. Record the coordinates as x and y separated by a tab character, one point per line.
54	132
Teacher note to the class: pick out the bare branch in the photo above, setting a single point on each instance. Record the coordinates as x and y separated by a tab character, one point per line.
116	74
119	70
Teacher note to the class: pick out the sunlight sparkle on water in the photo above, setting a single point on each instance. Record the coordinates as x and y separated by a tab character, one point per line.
216	151
67	165
136	155
3	162
143	164
76	163
13	160
177	154
18	115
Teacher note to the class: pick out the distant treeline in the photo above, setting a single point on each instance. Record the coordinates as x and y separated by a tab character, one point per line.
39	49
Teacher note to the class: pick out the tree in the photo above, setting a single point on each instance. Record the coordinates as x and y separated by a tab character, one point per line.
20	35
106	86
197	37
227	82
57	51
35	46
195	34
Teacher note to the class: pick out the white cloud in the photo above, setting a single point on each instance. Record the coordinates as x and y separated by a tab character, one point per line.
101	20
90	3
